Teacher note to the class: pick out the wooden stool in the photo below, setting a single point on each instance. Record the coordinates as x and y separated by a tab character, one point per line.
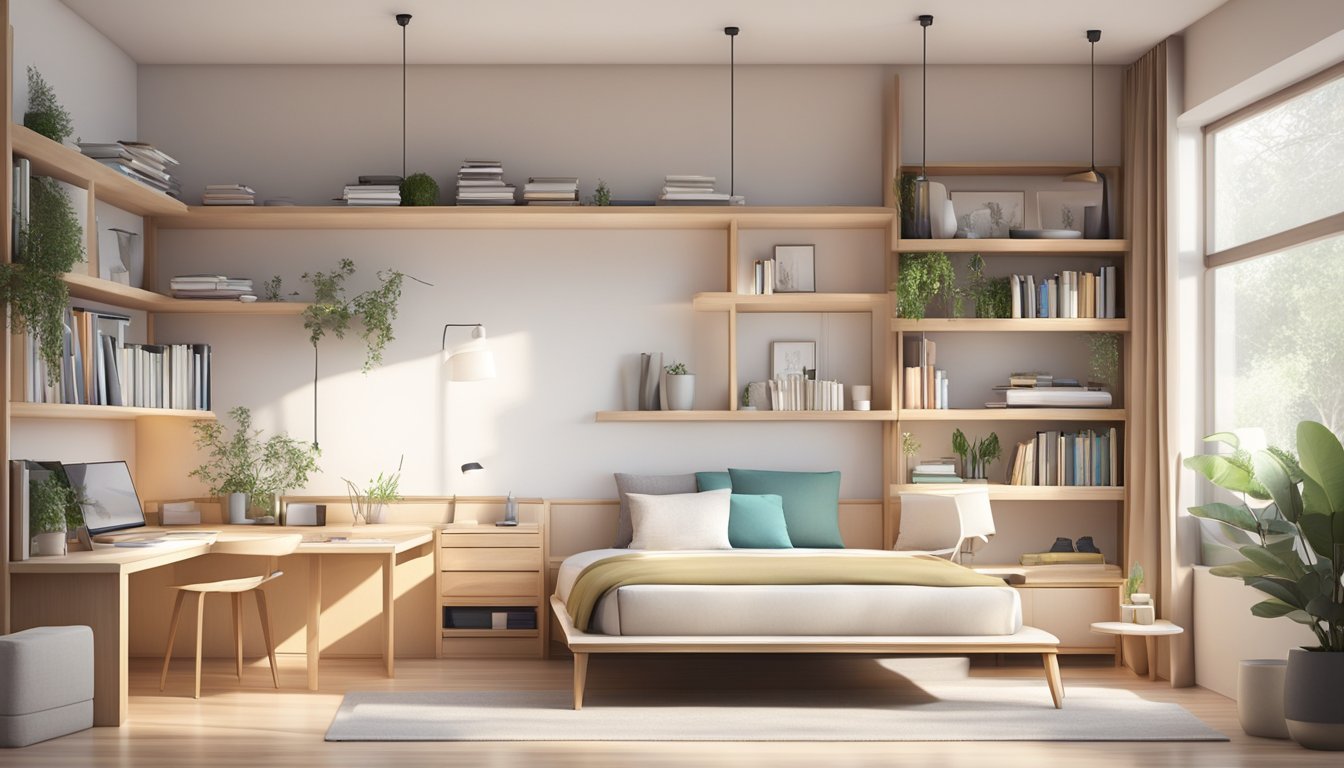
261	546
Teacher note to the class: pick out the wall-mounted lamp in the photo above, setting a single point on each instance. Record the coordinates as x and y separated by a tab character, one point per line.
471	467
472	361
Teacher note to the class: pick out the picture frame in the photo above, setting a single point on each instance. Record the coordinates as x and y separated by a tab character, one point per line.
795	269
792	357
1063	209
989	214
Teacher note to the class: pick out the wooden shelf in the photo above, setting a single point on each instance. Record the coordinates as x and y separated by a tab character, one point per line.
67	164
95	289
978	325
790	302
612	416
992	245
1013	414
1002	492
100	412
530	217
1009	169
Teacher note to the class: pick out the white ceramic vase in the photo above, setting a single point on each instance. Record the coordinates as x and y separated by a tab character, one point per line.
238	509
1260	697
49	544
680	392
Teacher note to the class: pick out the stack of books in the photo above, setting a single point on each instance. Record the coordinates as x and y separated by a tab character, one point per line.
481	182
763	277
138	160
1042	390
1084	458
209	287
691	190
924	386
942	470
373	190
1067	294
551	190
795	392
229	194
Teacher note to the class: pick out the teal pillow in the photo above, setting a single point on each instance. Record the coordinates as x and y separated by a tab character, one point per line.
811	502
712	481
756	521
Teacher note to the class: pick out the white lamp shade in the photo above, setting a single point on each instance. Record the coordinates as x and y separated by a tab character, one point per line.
472	361
929	523
977	520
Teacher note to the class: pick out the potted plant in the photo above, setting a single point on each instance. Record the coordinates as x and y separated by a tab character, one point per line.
49	502
1296	557
746	399
993	296
368	504
419	189
680	387
1132	585
923	277
251	472
45	115
601	195
976	455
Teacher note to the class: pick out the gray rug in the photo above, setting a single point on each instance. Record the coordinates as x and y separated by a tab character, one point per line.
980	710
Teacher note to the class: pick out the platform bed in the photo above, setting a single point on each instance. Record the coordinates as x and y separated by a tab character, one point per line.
1027	640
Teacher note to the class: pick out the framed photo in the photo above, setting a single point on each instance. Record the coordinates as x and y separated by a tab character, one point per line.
795	269
792	357
1059	209
989	214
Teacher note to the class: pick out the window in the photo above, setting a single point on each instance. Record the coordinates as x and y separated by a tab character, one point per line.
1276	247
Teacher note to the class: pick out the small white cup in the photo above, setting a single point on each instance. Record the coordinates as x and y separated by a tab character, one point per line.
861	395
1140	598
862	405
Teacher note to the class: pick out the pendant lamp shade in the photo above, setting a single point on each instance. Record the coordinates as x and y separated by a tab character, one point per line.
1092	175
917	224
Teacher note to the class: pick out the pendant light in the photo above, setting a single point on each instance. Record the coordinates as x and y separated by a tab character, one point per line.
919	220
1092	175
731	32
403	21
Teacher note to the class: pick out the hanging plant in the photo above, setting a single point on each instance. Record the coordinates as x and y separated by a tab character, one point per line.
45	115
923	277
33	286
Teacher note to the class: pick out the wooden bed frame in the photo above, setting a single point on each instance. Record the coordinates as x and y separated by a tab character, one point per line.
1025	640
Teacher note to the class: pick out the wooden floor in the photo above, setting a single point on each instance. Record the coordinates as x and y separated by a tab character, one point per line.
253	725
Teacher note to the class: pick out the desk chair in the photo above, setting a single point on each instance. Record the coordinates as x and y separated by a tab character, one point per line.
268	546
940	522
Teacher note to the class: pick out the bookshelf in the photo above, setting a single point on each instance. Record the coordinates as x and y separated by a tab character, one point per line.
993	246
1004	492
740	415
67	164
955	415
95	289
1042	325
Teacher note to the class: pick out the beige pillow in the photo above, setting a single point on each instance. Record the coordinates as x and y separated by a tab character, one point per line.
681	520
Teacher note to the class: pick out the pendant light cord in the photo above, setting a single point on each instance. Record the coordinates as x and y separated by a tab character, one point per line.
925	21
731	32
1094	103
403	101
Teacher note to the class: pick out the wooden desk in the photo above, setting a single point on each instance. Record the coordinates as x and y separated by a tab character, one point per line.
92	588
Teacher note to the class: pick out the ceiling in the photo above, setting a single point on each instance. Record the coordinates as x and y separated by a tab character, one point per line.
634	31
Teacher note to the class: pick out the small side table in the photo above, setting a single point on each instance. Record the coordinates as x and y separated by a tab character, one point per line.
1149	632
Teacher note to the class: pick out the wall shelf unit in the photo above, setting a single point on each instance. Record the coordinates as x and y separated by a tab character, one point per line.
1003	492
69	165
980	325
990	246
686	416
95	289
790	302
1012	414
20	410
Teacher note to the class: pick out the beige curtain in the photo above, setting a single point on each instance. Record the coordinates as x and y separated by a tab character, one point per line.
1150	467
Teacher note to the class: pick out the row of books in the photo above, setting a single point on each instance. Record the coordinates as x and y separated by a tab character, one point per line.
229	194
924	385
940	470
481	182
681	189
1084	458
1069	294
138	160
763	277
209	287
796	392
551	190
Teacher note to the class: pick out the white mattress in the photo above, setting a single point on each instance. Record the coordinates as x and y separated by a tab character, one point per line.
795	609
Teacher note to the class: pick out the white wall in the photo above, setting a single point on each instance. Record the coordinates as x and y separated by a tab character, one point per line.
1226	632
93	78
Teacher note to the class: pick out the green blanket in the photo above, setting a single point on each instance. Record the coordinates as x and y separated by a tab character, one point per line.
727	568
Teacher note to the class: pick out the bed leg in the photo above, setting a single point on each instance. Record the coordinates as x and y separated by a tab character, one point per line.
1053	679
580	676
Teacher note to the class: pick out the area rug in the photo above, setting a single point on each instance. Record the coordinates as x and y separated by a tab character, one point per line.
981	710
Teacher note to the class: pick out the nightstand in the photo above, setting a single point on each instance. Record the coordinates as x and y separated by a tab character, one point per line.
491	591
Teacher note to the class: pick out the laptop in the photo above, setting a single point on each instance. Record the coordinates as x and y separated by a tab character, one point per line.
107	497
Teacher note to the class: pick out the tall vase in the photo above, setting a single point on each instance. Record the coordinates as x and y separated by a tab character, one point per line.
237	503
1312	703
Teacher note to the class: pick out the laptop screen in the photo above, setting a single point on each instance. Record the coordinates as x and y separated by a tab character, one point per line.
106	495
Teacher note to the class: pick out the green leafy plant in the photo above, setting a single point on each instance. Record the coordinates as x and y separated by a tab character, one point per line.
993	296
419	189
1134	581
1293	542
332	311
676	369
909	445
1103	363
33	286
49	503
45	115
904	187
270	290
976	455
923	277
244	462
746	395
601	195
383	489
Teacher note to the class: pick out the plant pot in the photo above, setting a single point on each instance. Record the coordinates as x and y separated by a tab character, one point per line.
680	392
1260	697
377	512
47	544
1312	703
237	503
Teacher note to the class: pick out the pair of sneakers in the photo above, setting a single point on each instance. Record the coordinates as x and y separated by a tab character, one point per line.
1085	544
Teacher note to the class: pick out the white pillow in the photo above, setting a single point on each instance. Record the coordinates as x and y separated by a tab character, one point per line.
680	520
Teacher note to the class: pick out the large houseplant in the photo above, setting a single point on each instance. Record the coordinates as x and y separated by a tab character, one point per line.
252	472
1293	545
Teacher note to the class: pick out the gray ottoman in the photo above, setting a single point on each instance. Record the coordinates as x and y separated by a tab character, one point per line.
48	684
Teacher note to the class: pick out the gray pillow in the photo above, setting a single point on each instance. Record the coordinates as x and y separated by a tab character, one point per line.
656	485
